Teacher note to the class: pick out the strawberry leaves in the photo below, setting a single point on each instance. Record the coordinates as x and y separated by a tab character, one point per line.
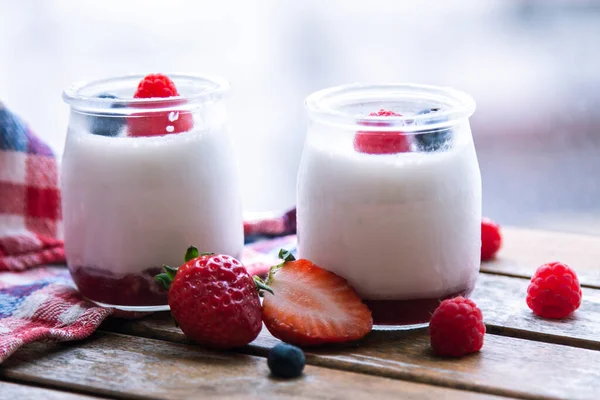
261	285
166	277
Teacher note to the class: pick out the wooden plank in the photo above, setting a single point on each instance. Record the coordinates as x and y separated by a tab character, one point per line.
506	366
134	367
15	391
524	250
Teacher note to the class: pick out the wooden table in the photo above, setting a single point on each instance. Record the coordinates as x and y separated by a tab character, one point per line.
523	357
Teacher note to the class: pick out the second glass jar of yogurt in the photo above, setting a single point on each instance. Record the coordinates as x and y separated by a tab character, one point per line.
389	195
143	179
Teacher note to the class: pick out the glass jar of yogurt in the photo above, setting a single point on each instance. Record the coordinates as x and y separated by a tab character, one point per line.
389	195
143	179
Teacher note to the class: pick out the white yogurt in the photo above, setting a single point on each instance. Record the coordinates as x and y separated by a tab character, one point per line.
397	227
137	203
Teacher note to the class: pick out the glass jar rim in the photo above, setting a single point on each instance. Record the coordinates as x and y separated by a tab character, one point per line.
207	88
321	105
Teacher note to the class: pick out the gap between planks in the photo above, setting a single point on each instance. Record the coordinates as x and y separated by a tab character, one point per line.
523	250
484	270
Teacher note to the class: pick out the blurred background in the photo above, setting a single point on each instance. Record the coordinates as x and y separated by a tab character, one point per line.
532	66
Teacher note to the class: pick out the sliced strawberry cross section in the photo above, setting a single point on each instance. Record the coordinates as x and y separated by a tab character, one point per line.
311	306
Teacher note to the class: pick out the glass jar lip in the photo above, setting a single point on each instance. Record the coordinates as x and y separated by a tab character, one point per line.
208	88
321	106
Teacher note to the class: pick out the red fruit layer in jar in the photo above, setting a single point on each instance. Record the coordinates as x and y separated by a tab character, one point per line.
407	312
106	287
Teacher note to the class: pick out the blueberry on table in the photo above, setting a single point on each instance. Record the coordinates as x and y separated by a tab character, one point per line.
106	126
435	139
286	361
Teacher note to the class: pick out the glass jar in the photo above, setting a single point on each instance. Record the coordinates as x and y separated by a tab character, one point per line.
143	179
392	201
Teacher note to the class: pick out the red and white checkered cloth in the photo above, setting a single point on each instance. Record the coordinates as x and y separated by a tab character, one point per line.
30	214
42	304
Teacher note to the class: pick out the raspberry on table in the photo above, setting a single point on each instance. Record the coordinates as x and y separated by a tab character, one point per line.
456	328
491	239
554	291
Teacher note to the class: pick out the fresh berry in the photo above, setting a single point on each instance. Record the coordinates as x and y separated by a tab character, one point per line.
491	239
106	125
456	328
372	142
155	85
158	123
554	291
286	361
306	305
436	139
214	300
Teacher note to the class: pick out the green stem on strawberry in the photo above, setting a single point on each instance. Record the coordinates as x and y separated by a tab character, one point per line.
171	272
167	277
191	253
261	285
284	255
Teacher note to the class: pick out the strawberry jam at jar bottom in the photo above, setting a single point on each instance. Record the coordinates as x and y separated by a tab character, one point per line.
142	180
123	290
406	313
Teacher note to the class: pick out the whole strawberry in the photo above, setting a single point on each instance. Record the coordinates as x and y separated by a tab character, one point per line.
214	300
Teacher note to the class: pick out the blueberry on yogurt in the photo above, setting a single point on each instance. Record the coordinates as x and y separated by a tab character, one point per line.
106	125
435	139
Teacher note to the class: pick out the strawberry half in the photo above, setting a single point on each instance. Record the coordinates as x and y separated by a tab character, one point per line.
307	305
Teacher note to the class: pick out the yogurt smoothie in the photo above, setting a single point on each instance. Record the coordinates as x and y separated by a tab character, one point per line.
402	228
132	204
